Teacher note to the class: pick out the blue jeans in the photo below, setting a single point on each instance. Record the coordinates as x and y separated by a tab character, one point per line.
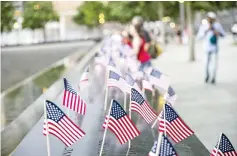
145	65
211	61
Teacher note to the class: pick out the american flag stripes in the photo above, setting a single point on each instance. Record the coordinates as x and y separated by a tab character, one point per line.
60	125
73	101
173	125
120	124
166	148
84	79
115	80
139	105
146	84
225	148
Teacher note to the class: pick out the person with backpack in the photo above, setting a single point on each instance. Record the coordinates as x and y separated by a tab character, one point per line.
140	42
211	32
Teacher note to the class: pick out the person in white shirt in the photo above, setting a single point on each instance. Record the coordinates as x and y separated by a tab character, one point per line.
234	31
211	32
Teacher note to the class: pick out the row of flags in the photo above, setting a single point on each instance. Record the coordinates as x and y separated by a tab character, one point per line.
117	120
170	122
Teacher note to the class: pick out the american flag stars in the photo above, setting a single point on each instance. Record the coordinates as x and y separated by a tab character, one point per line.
53	113
117	112
225	147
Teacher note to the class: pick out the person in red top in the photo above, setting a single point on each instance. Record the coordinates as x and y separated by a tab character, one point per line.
140	42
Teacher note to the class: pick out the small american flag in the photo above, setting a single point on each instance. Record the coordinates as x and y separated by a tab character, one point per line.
225	147
139	105
60	125
158	79
166	148
170	96
146	84
73	101
120	124
131	83
84	81
111	62
173	125
115	80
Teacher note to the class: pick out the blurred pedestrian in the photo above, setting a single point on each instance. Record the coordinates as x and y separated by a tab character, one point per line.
140	42
211	32
234	31
179	34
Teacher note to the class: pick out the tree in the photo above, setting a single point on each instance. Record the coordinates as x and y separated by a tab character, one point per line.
37	14
88	13
122	11
7	16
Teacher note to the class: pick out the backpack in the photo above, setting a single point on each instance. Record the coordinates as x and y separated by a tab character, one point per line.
213	40
154	50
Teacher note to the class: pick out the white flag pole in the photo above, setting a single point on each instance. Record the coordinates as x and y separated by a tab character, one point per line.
159	143
130	116
153	94
143	90
106	89
160	136
130	113
155	122
47	129
164	119
217	148
102	145
125	101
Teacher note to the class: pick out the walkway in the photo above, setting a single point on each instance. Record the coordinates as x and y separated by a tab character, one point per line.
208	109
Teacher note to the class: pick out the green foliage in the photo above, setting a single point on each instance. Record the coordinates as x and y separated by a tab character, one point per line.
88	13
7	16
37	14
124	11
212	5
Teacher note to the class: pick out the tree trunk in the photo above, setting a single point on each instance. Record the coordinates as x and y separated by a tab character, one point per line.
233	15
191	31
160	13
